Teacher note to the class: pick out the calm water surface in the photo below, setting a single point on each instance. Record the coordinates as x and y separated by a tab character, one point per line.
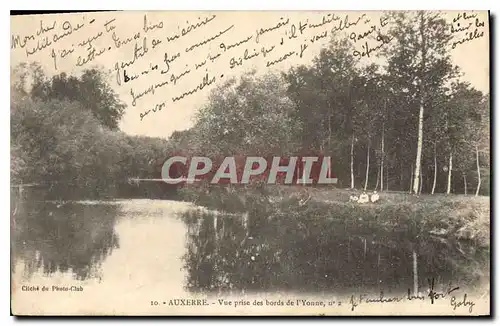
178	248
139	240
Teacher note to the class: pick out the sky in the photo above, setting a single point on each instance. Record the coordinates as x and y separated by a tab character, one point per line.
174	59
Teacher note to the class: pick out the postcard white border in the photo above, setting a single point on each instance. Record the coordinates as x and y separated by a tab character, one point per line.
201	5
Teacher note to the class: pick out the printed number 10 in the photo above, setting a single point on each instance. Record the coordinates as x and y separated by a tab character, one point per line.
154	303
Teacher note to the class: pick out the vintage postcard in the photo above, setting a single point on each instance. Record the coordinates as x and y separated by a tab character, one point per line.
250	163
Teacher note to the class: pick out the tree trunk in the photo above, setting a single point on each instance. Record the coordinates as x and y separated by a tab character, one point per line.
465	184
415	274
421	110
367	165
421	182
382	160
378	178
435	171
411	179
387	180
450	167
364	248
352	162
478	172
416	176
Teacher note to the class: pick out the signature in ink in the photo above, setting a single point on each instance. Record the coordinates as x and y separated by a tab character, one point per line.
462	303
433	295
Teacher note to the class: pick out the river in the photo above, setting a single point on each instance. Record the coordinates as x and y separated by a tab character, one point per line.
132	256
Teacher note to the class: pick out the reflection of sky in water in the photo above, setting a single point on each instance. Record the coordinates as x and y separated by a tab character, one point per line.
68	238
137	241
145	244
144	265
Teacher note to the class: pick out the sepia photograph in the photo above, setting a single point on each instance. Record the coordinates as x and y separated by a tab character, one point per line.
250	163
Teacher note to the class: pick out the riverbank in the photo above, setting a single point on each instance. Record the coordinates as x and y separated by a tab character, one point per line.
470	214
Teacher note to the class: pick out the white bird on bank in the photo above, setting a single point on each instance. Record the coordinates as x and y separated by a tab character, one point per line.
363	198
375	197
353	198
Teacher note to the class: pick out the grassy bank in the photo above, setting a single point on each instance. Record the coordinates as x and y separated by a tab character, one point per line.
467	215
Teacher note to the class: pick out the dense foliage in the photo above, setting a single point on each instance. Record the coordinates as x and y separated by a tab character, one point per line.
365	116
64	140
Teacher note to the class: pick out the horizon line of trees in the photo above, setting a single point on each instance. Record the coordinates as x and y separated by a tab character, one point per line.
412	124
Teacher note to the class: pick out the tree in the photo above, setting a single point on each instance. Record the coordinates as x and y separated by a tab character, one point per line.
61	144
482	136
420	60
372	115
464	126
249	116
326	97
91	90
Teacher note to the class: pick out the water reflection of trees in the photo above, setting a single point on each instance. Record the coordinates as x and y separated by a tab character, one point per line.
310	249
75	238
